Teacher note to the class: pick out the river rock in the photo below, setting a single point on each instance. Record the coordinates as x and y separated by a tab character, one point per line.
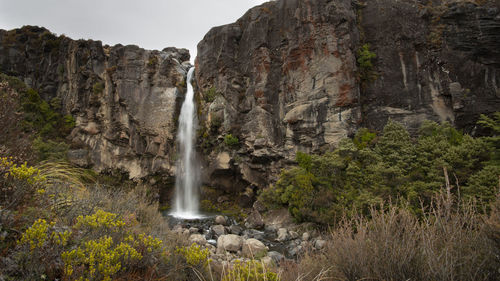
220	220
198	239
193	230
306	236
268	262
229	242
254	220
253	248
282	235
218	230
293	234
235	229
319	244
276	256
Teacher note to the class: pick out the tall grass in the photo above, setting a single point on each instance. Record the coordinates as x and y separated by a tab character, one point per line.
457	243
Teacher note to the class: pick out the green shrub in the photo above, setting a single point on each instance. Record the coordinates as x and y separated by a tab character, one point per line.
370	170
231	140
211	94
365	64
98	88
50	150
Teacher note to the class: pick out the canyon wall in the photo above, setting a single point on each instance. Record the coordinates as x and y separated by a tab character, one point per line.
125	99
286	77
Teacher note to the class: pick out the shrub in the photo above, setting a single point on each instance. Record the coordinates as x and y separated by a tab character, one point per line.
397	245
250	270
370	170
211	94
98	88
231	141
194	255
365	64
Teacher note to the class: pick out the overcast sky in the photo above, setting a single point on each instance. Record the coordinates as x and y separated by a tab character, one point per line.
151	24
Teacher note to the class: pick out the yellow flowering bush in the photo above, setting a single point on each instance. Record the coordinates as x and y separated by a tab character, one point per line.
100	219
36	235
99	259
250	271
195	255
41	233
24	172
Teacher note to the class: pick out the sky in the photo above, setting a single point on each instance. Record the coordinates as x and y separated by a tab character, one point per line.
150	24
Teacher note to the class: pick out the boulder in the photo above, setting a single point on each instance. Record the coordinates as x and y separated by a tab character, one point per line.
220	220
198	239
218	230
235	229
276	256
306	236
293	234
254	220
282	235
319	244
229	242
253	248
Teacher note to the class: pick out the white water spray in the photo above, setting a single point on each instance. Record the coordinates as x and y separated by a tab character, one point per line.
187	172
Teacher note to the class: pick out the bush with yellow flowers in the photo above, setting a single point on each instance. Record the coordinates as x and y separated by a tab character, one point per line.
195	255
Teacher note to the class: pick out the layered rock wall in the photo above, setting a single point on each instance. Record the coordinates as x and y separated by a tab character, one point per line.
125	99
287	78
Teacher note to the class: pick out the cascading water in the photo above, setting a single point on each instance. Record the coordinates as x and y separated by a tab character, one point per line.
187	172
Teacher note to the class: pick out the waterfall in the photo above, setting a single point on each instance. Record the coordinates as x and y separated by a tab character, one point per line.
187	170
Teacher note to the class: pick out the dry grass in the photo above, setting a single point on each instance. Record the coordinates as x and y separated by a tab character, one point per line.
448	244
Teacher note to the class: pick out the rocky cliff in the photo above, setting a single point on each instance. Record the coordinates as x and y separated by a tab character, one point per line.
125	99
286	77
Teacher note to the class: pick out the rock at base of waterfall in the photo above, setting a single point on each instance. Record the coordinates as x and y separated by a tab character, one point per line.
198	239
282	235
253	248
254	220
235	229
218	230
220	220
230	243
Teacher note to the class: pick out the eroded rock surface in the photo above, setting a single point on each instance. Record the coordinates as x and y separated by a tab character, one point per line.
284	78
125	99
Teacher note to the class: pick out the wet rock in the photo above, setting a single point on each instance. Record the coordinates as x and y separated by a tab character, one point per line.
220	220
198	239
282	235
235	229
253	233
253	248
229	242
218	230
254	220
276	256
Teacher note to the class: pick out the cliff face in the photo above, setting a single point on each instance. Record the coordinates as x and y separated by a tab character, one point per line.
286	77
125	99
